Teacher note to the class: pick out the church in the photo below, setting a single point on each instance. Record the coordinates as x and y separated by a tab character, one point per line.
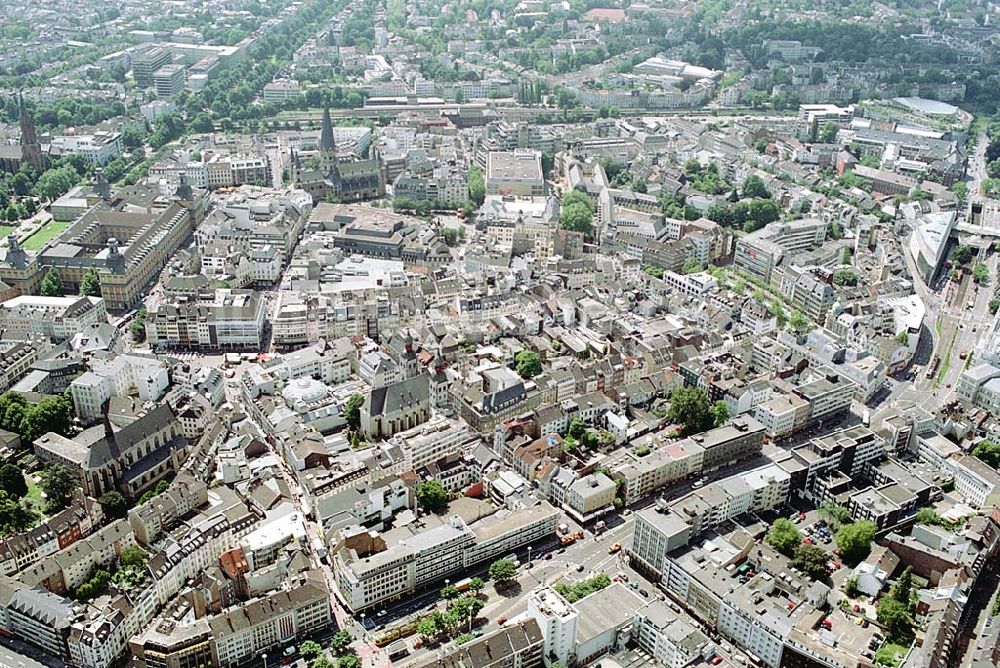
336	178
28	151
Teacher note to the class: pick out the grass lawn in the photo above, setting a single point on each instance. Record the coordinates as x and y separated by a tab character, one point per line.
887	653
35	497
5	231
43	235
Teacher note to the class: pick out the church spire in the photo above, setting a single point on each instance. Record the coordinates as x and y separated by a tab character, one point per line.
31	150
327	146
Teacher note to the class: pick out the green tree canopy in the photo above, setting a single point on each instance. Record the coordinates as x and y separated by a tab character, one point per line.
812	560
477	186
52	285
90	286
845	277
431	496
753	186
896	619
341	640
58	483
502	570
310	649
114	505
988	451
689	408
784	536
855	540
720	412
352	410
12	480
349	661
528	363
902	590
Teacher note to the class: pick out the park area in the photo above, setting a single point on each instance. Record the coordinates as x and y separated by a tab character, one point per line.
44	235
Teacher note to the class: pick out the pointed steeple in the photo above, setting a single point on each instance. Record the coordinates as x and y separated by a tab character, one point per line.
31	150
327	146
326	142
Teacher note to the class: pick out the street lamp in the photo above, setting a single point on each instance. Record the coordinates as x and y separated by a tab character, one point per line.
529	554
264	657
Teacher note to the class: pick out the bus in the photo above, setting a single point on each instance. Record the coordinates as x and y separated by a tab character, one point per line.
932	367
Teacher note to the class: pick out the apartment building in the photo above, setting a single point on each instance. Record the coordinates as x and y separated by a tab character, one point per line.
975	480
516	645
220	319
369	574
247	631
832	458
658	532
53	317
740	439
760	252
98	148
169	80
117	376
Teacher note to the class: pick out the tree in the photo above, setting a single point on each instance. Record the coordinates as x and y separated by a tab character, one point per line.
50	414
828	133
90	286
476	585
835	514
134	556
52	285
784	536
851	586
981	274
720	412
799	322
323	661
310	649
12	480
452	235
528	363
928	515
352	410
753	186
845	277
137	328
689	408
855	541
502	571
349	661
114	505
577	217
58	483
903	589
963	254
655	272
896	619
691	266
812	560
428	627
431	496
463	638
989	452
55	182
341	640
477	186
202	123
448	593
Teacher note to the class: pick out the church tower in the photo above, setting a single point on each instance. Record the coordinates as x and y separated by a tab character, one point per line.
327	146
31	150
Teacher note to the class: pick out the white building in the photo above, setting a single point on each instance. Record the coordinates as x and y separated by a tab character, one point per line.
53	317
